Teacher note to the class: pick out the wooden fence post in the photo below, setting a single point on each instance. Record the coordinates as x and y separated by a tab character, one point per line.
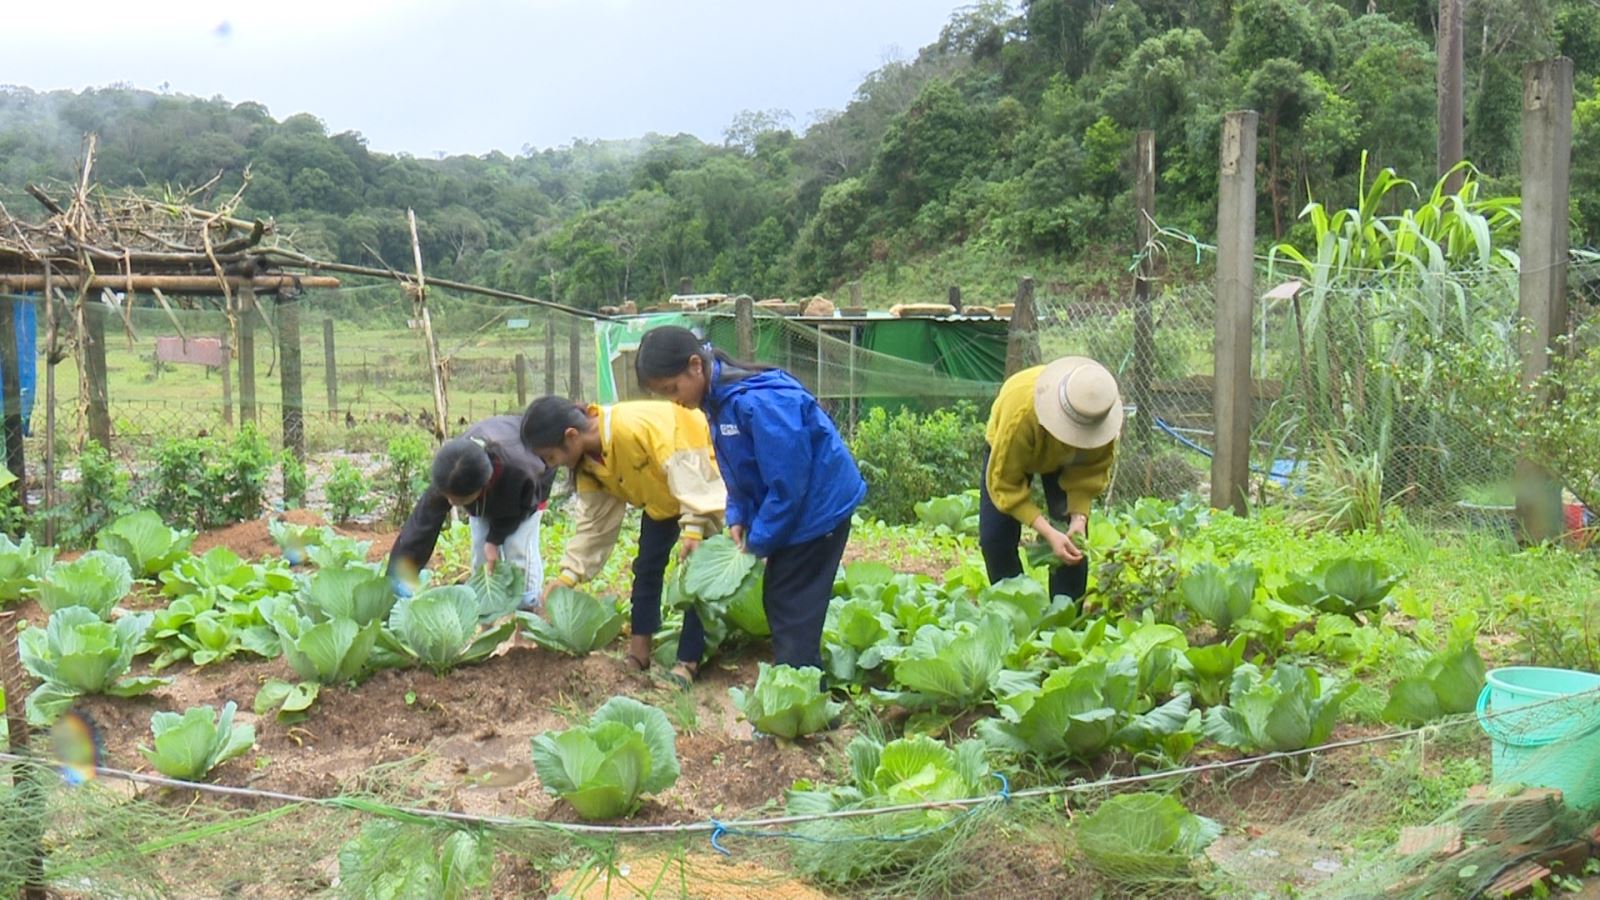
1141	390
287	304
522	381
550	355
29	779
227	377
744	327
94	365
954	297
1236	238
329	367
1022	341
247	352
11	376
1542	286
1449	46
575	360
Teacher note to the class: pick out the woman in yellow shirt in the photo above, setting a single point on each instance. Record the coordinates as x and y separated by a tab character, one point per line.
650	454
1060	423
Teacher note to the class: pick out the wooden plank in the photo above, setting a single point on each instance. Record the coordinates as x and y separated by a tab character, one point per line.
192	352
1542	285
1236	238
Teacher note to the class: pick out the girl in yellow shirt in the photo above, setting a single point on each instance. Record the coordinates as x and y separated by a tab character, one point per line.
1059	423
650	454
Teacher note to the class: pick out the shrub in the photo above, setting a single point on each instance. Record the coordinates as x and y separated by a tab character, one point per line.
404	477
907	457
294	481
348	492
206	482
99	496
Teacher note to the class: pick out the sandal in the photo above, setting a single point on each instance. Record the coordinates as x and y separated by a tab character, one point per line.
684	674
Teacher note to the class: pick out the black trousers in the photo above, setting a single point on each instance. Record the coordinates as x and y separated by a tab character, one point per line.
1000	536
657	537
796	593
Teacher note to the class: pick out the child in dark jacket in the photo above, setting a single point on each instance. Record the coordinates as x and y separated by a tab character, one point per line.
792	484
502	487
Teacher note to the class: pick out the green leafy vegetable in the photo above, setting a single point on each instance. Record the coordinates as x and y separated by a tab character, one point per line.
1212	668
397	861
577	623
358	592
190	745
717	568
76	653
1220	596
955	514
702	582
439	628
149	546
910	770
94	581
1346	586
21	565
601	769
330	652
786	701
290	699
1448	685
1290	710
1144	837
955	666
498	593
1076	713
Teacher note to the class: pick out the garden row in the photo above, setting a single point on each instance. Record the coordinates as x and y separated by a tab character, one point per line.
1177	653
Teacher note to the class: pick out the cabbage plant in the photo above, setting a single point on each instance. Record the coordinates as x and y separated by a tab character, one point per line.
438	628
396	860
329	652
723	584
76	653
574	622
22	564
95	581
358	592
954	666
190	745
786	701
1289	710
1219	596
1346	586
602	769
1144	837
149	546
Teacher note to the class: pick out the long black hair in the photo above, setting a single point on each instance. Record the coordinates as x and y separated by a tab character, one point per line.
547	419
462	467
664	353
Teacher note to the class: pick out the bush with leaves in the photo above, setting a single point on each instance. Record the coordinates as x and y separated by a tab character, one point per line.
602	768
207	482
404	476
348	492
189	746
909	457
99	496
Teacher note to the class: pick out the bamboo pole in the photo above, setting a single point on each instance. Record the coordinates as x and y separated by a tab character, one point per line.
50	359
419	303
18	282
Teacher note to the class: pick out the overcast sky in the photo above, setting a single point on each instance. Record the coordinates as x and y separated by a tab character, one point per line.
470	76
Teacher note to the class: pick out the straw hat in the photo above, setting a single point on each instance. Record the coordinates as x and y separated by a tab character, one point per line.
1076	400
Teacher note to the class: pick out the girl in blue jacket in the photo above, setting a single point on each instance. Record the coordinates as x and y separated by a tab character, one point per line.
792	484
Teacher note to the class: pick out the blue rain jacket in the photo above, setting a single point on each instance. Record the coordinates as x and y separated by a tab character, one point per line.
790	477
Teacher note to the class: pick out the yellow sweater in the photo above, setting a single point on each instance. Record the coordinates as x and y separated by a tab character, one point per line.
654	455
1020	448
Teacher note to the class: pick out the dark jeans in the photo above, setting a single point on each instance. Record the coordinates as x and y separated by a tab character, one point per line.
999	536
798	587
657	537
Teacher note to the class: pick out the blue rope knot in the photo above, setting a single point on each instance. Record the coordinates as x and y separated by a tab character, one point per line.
1005	786
717	831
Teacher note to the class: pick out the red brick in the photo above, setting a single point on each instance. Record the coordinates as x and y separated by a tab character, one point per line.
1518	880
1438	841
1498	820
1568	858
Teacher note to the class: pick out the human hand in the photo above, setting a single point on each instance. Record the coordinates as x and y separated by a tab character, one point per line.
687	546
1061	542
737	533
491	555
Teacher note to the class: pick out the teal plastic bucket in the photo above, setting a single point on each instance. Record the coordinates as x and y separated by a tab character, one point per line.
1544	725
